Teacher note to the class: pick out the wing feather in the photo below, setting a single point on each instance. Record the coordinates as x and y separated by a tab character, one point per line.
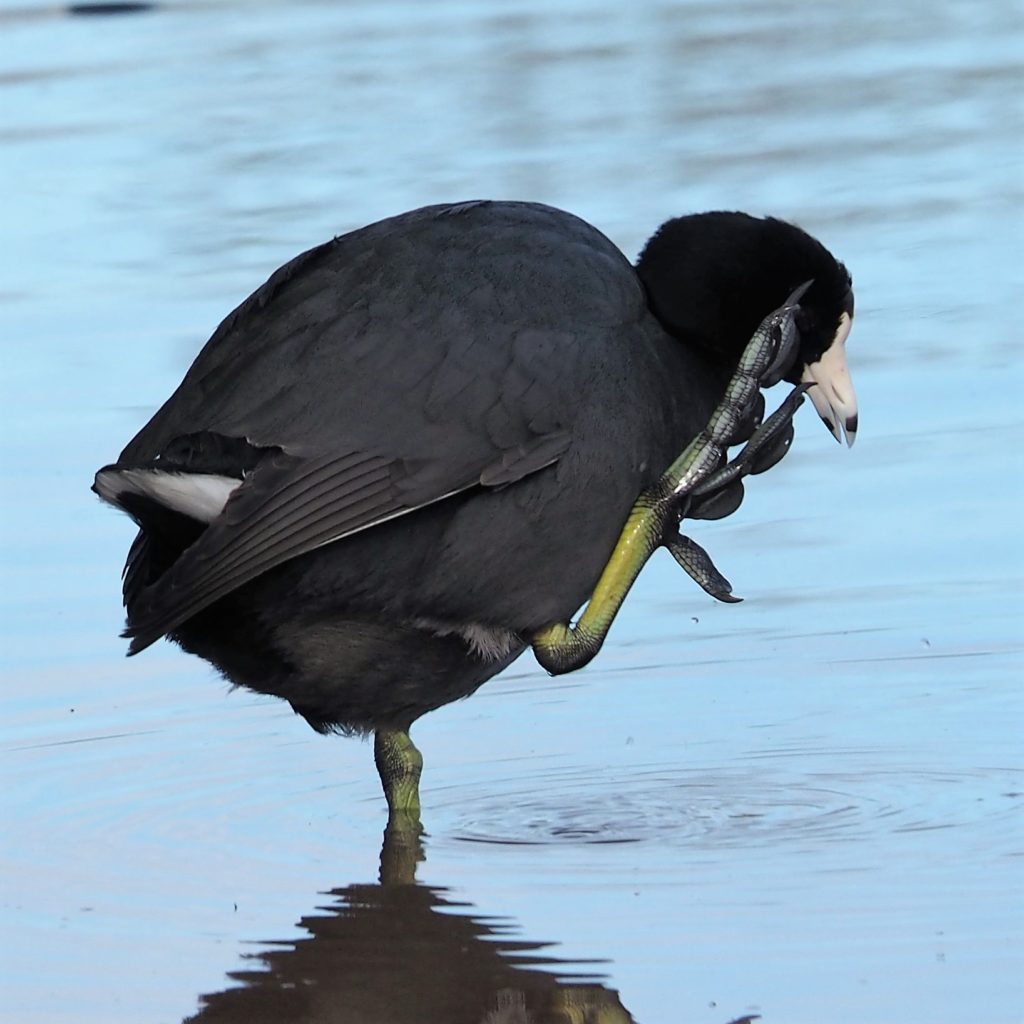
290	506
281	512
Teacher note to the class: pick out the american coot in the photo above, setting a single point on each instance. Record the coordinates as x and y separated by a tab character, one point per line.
419	448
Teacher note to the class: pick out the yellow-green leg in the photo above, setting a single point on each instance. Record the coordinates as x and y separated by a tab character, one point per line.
399	765
562	647
654	518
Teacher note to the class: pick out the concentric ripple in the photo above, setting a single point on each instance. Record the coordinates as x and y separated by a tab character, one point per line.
737	805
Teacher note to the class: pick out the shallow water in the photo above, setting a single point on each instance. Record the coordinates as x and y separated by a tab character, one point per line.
805	807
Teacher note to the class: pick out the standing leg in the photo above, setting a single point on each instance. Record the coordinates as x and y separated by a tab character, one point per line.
399	764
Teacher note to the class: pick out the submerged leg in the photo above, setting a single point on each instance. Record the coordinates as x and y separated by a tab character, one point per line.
402	850
399	765
654	519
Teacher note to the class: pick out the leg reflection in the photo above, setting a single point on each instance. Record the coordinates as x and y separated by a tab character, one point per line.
407	953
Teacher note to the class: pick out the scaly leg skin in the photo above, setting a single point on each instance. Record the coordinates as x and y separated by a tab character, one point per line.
399	765
697	562
768	444
654	519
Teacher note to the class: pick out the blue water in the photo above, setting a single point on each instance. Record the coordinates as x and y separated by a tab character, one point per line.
805	807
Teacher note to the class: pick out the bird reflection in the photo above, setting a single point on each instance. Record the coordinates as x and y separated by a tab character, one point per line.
398	952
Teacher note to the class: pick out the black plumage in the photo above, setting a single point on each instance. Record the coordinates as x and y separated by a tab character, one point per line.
435	427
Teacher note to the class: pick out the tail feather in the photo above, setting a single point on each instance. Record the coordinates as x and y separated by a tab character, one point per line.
172	498
200	496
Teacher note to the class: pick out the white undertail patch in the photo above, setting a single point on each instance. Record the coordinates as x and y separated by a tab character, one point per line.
489	643
200	496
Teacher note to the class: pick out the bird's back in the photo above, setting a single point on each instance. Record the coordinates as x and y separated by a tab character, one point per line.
447	318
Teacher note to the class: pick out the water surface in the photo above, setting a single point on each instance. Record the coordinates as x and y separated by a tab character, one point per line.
805	807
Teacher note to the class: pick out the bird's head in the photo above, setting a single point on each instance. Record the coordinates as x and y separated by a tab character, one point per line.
712	277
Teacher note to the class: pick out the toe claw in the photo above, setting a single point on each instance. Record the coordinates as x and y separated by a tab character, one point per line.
785	337
773	451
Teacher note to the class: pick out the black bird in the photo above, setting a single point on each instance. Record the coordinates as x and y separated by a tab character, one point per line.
411	452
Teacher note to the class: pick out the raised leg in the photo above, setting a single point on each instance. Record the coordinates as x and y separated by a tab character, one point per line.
654	519
399	765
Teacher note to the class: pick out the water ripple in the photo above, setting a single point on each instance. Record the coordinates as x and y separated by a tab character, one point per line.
734	806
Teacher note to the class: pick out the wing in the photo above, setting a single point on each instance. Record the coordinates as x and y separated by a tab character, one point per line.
289	507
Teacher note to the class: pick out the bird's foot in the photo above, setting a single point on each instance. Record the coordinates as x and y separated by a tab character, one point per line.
768	355
720	493
698	479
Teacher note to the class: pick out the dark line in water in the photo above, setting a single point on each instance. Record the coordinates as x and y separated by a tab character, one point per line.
87	739
917	657
562	841
117	7
922	827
